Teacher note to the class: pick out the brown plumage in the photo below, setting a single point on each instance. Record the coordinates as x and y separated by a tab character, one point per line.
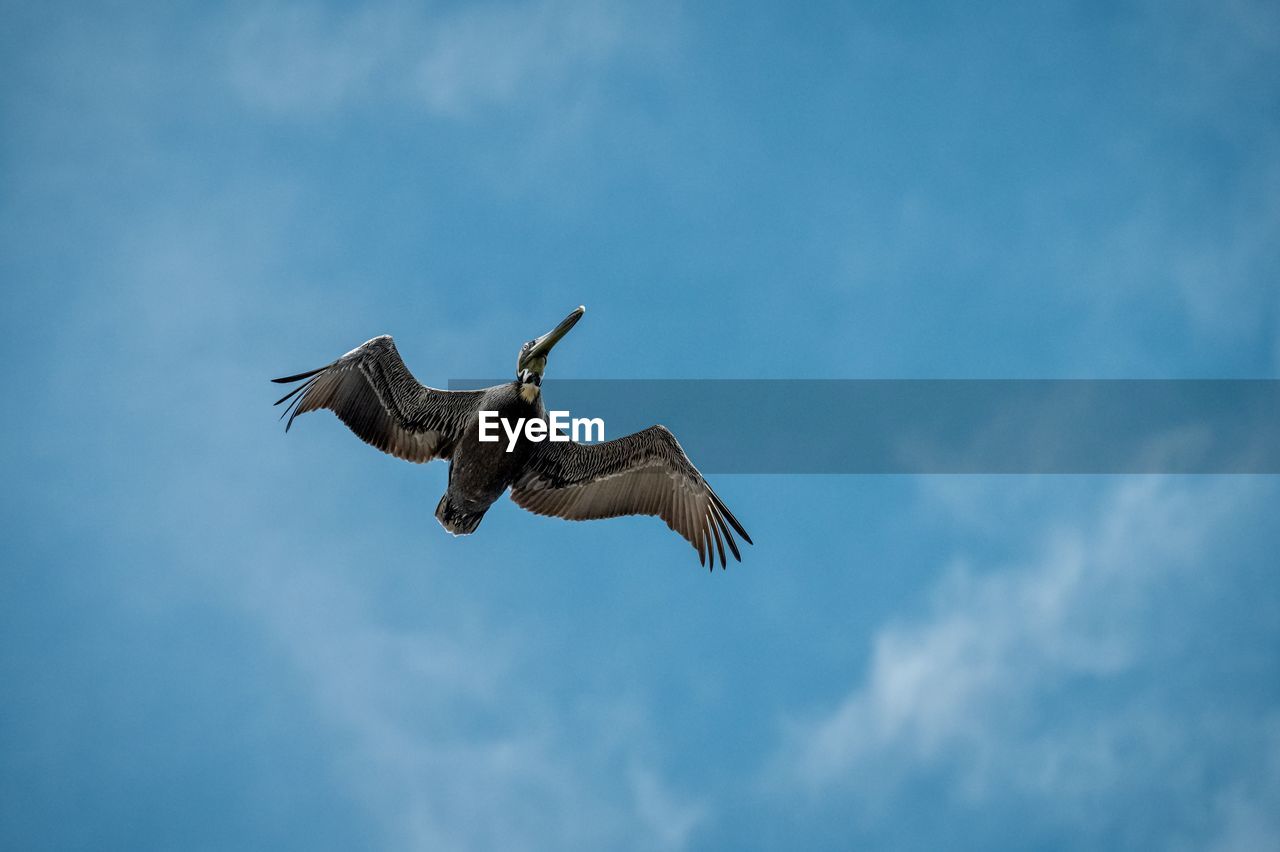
646	473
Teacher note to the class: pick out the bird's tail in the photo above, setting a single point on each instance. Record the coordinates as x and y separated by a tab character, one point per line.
455	520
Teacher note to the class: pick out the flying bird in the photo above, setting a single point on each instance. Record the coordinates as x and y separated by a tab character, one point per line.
646	473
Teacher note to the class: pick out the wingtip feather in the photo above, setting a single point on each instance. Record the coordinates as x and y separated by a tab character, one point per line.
284	380
730	518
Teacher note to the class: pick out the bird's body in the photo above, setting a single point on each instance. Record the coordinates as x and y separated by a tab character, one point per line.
646	473
479	471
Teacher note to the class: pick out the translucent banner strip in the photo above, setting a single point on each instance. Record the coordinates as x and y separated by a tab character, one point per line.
943	426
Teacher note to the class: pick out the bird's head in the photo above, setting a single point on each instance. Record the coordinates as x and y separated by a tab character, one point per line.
532	362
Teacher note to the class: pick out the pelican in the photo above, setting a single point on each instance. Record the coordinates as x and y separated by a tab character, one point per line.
646	473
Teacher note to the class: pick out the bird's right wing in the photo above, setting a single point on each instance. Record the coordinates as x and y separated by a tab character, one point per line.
646	473
373	392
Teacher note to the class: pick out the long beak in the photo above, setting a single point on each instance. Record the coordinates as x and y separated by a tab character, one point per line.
544	344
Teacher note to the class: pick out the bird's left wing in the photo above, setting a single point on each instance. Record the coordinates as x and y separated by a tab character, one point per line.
373	392
642	474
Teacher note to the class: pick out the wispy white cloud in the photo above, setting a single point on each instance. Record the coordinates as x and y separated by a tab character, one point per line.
1203	226
447	61
441	729
1158	218
997	637
971	688
1248	813
442	739
671	819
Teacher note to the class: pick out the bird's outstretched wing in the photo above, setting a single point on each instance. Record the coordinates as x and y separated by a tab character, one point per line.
373	392
642	474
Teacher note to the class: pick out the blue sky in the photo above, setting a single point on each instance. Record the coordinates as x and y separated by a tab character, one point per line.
212	636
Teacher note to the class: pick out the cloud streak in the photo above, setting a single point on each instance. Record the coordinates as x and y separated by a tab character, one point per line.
1033	679
449	63
442	741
